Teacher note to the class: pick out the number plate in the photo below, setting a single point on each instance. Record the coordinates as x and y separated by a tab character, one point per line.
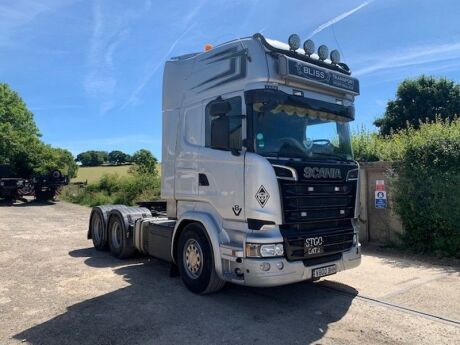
324	271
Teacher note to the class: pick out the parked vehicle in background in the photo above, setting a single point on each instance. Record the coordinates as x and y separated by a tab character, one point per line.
43	186
47	186
9	185
258	177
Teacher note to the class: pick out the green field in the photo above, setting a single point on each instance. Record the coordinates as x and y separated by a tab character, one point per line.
93	174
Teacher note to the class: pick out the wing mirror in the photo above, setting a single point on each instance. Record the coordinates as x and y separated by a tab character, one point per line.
219	108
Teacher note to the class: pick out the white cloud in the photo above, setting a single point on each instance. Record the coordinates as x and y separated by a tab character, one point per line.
338	18
434	54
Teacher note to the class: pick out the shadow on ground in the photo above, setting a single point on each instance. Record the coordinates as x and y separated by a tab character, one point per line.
158	309
25	203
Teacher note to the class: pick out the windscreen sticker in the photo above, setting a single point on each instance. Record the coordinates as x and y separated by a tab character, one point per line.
260	140
262	196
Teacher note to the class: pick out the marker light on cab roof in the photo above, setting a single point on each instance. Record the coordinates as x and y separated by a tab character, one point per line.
208	47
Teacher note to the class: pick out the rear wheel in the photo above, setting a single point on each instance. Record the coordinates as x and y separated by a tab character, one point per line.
196	262
118	242
97	231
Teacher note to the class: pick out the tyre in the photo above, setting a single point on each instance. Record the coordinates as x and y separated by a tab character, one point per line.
97	226
118	241
196	261
56	174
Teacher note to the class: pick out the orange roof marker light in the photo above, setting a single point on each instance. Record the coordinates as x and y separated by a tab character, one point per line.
208	47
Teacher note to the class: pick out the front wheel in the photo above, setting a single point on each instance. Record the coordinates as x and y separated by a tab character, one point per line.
196	262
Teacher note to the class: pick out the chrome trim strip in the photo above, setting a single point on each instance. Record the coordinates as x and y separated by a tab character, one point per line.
292	170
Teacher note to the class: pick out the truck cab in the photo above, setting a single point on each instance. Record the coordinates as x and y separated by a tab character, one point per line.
258	175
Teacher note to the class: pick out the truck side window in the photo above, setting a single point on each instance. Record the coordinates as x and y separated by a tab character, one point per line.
224	132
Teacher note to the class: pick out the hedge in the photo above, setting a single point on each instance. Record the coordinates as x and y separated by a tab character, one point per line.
426	189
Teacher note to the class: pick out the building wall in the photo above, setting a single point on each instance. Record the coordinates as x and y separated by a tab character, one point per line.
380	225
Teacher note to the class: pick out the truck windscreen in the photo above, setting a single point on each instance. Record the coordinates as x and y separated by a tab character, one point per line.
299	132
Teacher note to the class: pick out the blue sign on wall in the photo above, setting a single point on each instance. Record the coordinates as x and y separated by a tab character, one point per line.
380	199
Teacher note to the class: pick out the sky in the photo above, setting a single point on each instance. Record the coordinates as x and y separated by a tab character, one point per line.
91	71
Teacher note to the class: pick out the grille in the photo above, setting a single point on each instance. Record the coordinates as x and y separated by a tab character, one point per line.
317	207
316	201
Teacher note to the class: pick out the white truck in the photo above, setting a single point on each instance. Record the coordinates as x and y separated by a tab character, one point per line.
258	179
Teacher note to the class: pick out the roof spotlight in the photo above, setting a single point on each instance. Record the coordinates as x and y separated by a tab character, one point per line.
323	52
309	47
335	56
294	42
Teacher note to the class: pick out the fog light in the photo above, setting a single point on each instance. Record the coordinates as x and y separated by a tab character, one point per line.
265	266
238	271
280	265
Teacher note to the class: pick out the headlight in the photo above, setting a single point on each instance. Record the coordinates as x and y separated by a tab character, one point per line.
257	250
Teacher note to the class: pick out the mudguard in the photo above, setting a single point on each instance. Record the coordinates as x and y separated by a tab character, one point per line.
216	235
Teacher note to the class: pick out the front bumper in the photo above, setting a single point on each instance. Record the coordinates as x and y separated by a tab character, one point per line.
291	271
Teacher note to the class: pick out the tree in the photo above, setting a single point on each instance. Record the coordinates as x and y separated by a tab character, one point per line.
144	162
424	98
118	157
19	136
92	158
56	158
20	144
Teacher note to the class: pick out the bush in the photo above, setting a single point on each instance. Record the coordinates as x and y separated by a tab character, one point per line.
427	190
365	145
113	189
369	147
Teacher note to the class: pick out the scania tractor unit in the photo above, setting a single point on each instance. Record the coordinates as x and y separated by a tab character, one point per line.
258	182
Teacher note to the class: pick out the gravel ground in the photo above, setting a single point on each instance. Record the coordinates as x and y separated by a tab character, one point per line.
56	289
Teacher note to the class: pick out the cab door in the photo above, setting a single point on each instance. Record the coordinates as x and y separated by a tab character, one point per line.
221	162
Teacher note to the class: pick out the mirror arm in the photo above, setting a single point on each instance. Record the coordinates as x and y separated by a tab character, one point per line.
235	152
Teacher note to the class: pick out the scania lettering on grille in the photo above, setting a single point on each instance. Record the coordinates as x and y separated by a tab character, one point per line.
317	173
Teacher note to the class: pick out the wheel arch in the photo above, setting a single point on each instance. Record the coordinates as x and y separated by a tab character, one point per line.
213	232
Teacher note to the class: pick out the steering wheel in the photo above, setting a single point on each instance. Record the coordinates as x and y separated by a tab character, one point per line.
324	142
